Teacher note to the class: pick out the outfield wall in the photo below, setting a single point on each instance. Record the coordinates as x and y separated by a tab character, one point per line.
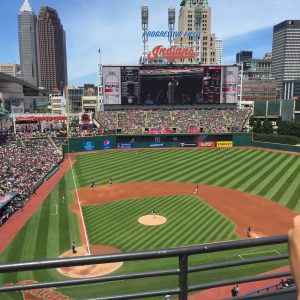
105	142
275	146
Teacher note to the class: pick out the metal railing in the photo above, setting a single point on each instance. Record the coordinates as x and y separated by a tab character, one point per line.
183	254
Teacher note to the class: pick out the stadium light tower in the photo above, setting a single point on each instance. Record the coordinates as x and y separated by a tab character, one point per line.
145	27
171	22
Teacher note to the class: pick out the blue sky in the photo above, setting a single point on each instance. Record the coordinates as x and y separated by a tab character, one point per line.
114	26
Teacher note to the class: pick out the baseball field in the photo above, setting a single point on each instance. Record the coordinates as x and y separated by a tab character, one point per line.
203	196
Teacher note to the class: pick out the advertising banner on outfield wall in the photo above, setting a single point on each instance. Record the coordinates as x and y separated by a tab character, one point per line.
107	144
206	144
112	85
225	144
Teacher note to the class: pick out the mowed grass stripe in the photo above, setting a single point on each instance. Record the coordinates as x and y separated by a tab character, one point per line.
173	232
145	209
89	160
230	175
284	187
85	163
277	175
221	169
220	223
177	166
189	211
176	235
205	165
200	174
294	184
295	199
148	167
107	167
14	254
63	219
277	188
226	234
260	163
134	159
43	229
136	170
148	170
264	172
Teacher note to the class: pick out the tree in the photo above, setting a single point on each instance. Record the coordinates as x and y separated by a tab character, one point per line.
267	127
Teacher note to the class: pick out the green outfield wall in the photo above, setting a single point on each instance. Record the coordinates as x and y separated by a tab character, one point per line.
106	142
281	147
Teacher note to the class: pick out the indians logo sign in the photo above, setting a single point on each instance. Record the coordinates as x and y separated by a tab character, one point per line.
172	53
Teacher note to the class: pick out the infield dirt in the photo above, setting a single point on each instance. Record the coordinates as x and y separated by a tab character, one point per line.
265	217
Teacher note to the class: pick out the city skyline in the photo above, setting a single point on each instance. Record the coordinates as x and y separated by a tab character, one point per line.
240	25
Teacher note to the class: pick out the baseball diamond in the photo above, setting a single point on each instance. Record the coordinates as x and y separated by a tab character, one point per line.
205	195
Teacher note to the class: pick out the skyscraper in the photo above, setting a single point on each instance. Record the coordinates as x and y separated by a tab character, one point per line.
52	51
243	56
27	23
286	58
219	51
195	15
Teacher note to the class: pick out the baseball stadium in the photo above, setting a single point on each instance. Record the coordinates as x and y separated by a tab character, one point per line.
104	195
161	182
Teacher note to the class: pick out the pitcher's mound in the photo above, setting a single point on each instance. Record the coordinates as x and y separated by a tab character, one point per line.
152	220
91	270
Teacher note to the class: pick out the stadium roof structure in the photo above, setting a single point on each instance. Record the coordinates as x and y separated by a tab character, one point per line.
28	88
41	117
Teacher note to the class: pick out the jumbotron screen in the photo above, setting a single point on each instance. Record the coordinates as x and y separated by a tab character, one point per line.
178	85
170	84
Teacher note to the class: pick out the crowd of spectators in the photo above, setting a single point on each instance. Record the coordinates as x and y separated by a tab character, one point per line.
198	120
40	130
13	206
81	130
23	166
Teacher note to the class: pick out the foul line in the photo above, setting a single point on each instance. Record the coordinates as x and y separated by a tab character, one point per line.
80	209
242	256
56	210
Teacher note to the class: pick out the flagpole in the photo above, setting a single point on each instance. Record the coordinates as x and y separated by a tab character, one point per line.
100	82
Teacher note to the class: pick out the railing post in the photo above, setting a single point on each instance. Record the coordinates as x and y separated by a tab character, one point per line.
183	277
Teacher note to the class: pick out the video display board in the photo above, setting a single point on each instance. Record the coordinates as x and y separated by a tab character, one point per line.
130	83
180	85
170	84
230	78
112	84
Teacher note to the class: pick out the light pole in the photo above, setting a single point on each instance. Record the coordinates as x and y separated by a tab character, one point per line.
100	96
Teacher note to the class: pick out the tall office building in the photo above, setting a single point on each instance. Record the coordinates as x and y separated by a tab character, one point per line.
27	23
286	58
52	51
244	56
219	51
195	15
11	69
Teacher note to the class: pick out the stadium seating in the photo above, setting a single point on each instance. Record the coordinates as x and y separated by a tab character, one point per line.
185	121
23	167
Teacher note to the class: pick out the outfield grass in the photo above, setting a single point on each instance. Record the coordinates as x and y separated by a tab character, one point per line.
273	175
